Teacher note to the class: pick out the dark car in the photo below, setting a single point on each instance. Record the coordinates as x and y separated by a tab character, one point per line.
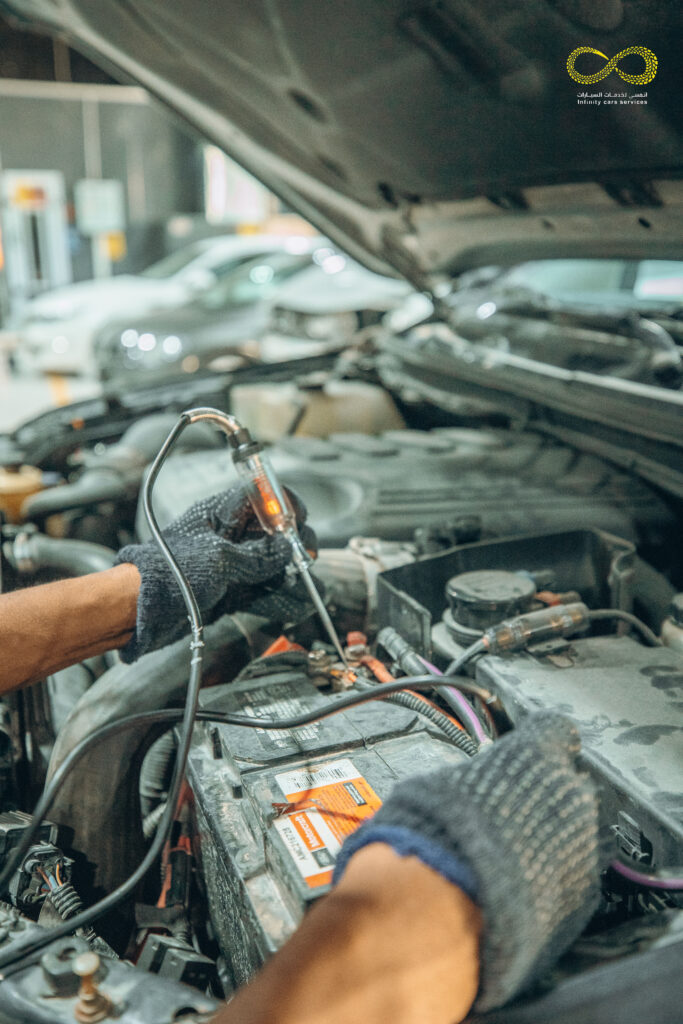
457	484
232	312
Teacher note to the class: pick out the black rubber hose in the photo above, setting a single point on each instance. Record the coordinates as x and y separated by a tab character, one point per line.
412	664
156	772
92	488
455	735
30	552
400	650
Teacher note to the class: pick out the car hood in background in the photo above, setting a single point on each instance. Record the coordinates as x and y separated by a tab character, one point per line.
425	136
190	319
340	286
70	300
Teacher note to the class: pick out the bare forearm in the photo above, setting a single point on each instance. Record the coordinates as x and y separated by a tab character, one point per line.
393	942
43	629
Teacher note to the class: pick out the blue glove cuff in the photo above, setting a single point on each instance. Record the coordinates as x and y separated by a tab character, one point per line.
408	843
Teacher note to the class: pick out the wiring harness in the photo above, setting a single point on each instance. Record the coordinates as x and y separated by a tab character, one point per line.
512	635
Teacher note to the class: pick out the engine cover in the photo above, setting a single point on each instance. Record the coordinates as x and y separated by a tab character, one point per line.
388	484
273	807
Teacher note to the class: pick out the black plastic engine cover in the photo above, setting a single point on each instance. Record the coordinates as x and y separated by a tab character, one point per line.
386	485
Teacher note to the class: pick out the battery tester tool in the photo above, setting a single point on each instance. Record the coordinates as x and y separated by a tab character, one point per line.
269	501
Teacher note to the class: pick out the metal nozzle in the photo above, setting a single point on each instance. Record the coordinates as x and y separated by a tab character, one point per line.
302	561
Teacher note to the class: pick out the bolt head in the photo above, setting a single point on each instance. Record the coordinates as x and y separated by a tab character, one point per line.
86	964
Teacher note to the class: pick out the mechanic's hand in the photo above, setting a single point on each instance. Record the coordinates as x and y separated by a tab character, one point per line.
230	564
517	830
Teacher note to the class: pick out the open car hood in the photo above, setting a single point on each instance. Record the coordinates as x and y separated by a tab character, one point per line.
426	137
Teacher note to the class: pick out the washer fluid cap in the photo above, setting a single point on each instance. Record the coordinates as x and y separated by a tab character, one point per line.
483	598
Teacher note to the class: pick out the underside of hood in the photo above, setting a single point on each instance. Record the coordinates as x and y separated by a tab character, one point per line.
427	137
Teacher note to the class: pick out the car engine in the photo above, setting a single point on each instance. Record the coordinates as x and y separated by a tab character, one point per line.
429	540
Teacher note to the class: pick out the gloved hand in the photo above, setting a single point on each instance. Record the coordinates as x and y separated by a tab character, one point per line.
231	566
517	830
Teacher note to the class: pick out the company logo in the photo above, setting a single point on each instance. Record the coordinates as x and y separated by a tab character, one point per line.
612	65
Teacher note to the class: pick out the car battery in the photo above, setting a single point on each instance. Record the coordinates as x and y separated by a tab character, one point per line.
273	807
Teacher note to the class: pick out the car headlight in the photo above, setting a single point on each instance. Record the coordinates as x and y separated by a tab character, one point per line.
171	346
60	344
146	348
129	338
147	341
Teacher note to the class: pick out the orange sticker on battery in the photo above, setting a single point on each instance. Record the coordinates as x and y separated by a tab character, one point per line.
325	803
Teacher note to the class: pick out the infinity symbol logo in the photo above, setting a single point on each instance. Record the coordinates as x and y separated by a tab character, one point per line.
611	65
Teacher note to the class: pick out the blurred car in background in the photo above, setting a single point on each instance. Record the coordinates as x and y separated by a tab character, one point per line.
55	331
213	325
592	315
620	317
303	300
641	284
324	307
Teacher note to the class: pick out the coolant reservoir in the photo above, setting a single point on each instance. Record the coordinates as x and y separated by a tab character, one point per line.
270	411
15	486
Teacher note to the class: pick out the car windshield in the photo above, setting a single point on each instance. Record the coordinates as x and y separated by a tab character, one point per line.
252	281
634	283
175	261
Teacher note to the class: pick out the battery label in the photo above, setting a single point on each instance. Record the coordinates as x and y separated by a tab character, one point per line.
325	803
277	702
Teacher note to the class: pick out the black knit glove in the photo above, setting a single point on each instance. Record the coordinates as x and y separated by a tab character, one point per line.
517	829
231	566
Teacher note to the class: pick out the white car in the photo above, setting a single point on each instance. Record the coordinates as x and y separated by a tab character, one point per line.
55	331
324	306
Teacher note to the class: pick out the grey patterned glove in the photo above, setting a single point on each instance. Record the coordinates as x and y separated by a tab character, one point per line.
517	829
231	566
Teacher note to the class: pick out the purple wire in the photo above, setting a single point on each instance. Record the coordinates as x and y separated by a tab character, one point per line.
464	708
652	881
428	665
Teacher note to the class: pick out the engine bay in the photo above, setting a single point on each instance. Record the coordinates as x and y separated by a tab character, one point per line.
429	541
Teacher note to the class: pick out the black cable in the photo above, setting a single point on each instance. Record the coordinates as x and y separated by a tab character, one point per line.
85	918
478	647
426	682
633	621
189	712
413	663
457	736
105	732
